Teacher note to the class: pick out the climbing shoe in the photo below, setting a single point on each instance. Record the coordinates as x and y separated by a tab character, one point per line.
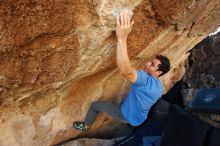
80	126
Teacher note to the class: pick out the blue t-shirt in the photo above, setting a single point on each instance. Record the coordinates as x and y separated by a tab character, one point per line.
143	94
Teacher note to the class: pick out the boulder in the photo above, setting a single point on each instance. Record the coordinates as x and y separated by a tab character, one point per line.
58	56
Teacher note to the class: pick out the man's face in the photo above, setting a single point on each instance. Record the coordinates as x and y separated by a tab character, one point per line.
151	67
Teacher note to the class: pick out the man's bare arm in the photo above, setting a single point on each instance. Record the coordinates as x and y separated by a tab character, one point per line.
124	26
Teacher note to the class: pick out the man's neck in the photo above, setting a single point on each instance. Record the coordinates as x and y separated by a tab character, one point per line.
156	76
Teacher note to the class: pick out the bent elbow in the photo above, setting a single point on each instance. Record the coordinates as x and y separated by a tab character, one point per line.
125	71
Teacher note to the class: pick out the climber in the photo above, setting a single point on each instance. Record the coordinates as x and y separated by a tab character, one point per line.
145	90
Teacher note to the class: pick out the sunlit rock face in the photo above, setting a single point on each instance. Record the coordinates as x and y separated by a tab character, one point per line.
57	56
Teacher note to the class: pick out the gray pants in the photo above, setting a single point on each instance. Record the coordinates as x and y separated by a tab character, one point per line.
109	108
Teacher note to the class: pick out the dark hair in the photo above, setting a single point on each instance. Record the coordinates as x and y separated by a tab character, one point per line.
165	64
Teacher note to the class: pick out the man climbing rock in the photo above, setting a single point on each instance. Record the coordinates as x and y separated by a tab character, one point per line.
145	90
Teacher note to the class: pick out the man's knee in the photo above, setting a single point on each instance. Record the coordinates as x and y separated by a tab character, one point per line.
96	104
101	105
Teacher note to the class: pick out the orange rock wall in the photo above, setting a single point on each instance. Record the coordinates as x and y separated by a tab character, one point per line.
57	56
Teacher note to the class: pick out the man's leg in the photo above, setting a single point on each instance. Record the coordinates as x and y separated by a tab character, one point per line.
109	108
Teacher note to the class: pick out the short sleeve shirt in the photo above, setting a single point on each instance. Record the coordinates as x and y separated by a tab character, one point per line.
143	94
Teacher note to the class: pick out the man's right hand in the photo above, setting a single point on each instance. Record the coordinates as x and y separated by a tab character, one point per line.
124	25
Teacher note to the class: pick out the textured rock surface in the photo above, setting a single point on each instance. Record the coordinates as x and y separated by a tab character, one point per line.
91	142
203	64
202	71
202	67
57	56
